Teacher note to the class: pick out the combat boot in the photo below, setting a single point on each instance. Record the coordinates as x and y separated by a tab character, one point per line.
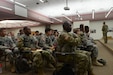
91	73
41	72
96	63
12	68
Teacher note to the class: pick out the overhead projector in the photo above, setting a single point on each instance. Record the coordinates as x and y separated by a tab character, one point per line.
66	8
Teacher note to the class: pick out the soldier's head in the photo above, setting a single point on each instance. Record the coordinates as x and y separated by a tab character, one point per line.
76	30
2	32
104	22
27	30
67	26
86	29
21	31
82	27
48	31
37	32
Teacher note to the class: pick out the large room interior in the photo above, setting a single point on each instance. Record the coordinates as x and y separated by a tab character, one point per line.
41	14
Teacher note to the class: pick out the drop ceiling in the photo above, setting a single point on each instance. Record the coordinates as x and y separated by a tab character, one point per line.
55	8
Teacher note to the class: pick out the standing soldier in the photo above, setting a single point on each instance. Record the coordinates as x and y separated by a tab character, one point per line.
105	30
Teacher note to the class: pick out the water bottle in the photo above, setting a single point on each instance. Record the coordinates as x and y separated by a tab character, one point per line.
0	67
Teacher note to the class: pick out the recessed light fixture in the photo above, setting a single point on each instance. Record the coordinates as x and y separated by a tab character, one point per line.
78	14
56	19
6	8
67	17
43	1
109	12
93	14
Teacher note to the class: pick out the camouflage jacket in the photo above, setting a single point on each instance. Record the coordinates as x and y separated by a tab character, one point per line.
45	42
67	42
27	42
6	42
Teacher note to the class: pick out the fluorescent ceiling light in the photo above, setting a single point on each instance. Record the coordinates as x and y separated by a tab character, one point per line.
109	12
20	4
12	0
67	18
6	8
11	21
93	14
81	18
78	14
56	19
42	1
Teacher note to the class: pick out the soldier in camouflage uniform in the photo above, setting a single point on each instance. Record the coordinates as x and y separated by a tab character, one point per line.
7	45
46	41
37	35
67	43
28	42
88	45
105	30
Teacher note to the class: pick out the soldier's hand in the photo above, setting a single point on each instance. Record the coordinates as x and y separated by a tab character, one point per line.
33	49
52	48
66	38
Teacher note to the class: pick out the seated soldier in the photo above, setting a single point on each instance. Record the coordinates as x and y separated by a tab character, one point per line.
9	47
46	41
89	43
67	43
28	42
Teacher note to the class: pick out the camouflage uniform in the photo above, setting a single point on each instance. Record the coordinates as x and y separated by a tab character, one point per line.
46	43
67	43
39	57
38	37
9	47
90	42
105	30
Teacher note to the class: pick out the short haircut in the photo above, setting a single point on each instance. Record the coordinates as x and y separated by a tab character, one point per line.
104	22
1	29
66	23
25	28
37	31
47	30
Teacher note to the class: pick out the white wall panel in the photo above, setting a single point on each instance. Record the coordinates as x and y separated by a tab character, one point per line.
21	11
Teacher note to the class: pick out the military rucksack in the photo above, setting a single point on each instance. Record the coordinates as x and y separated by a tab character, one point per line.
65	70
21	65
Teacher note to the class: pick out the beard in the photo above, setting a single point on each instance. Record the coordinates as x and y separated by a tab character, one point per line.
68	29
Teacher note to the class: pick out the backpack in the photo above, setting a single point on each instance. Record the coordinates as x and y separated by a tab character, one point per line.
21	65
65	70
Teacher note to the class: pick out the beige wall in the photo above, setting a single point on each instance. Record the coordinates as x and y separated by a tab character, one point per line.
39	28
93	25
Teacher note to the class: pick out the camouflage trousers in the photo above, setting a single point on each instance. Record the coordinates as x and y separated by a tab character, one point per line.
81	61
40	58
11	54
105	37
